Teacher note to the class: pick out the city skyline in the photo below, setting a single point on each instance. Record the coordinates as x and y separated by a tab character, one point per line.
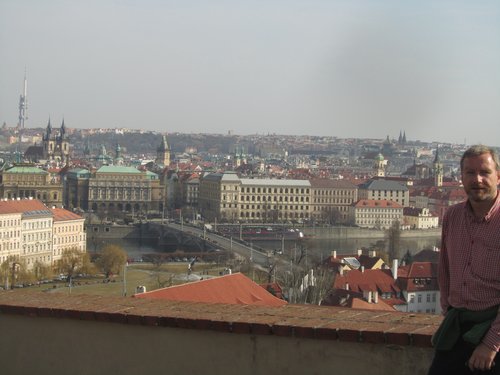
347	69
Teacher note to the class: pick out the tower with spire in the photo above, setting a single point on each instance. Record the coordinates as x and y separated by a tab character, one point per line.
118	155
23	105
163	153
56	144
380	165
438	169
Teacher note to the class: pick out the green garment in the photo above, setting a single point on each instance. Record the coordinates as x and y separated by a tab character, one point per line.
451	328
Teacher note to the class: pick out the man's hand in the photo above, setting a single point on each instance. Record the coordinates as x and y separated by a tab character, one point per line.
482	358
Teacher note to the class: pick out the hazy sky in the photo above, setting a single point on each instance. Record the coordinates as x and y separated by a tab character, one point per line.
321	67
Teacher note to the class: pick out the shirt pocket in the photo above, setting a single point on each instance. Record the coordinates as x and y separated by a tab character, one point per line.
486	264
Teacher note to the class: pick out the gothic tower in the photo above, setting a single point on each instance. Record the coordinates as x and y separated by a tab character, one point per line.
380	165
438	169
163	153
56	144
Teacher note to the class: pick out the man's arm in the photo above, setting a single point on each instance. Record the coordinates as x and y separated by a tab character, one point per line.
443	270
483	356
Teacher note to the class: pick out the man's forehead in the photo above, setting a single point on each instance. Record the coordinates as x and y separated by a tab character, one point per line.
479	161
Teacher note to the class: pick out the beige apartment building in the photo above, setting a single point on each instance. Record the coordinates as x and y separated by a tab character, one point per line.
10	233
419	218
226	197
271	200
69	232
332	199
379	214
385	190
30	232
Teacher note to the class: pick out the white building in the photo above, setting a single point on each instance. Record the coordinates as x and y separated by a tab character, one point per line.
380	214
30	232
418	283
419	218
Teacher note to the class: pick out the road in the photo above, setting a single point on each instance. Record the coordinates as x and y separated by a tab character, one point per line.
259	258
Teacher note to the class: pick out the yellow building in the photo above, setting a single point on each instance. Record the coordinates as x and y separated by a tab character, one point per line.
381	189
419	218
26	180
69	232
379	214
29	223
113	189
332	199
32	233
226	197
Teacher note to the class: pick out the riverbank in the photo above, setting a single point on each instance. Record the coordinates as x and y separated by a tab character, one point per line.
360	233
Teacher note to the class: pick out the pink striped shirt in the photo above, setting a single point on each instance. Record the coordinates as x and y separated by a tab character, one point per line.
469	264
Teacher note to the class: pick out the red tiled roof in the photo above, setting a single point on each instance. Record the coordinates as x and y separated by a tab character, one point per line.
273	288
20	206
369	280
61	214
348	298
418	276
377	203
235	289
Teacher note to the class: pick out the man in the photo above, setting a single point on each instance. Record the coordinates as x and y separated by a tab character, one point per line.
468	340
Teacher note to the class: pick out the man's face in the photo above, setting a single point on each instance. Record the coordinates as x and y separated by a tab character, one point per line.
480	178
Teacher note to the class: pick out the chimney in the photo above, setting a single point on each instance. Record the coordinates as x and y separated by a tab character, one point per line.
372	253
367	295
334	254
346	286
360	252
362	269
395	269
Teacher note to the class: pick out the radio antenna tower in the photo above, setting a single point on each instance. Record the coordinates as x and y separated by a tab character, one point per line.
23	109
23	104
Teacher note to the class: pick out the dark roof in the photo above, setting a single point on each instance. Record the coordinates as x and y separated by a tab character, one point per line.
383	185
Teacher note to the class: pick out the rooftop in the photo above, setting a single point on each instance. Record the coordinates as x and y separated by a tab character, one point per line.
231	289
24	206
81	334
306	321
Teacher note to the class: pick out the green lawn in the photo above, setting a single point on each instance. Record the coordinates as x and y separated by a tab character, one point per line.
137	274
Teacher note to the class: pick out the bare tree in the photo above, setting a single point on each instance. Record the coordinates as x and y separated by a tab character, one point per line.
71	262
393	235
42	271
112	259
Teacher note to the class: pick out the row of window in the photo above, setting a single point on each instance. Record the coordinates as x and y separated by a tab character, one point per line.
68	239
275	198
330	192
430	297
40	196
40	248
333	201
69	228
39	236
280	215
269	190
43	224
10	222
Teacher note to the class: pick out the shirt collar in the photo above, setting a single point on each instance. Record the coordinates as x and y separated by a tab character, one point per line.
494	208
